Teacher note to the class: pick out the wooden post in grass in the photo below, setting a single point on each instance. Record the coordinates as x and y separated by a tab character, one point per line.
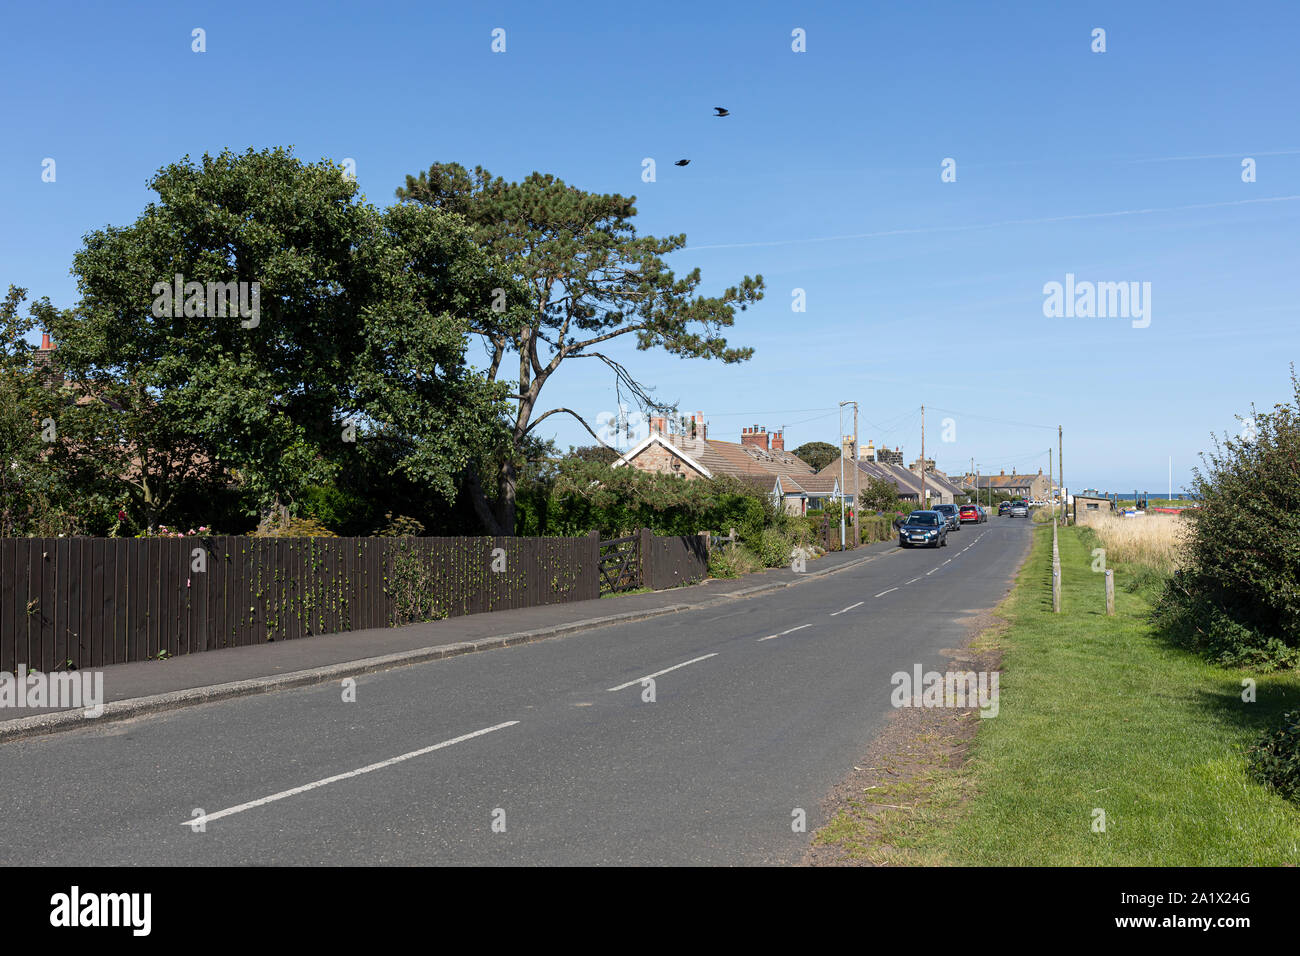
1110	593
1056	573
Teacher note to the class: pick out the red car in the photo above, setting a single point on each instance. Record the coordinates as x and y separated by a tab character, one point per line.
971	513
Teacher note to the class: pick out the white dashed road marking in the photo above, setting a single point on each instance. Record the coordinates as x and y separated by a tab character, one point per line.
694	660
883	593
209	817
849	608
784	633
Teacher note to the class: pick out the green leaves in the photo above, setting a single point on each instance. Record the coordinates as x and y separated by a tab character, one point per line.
582	277
363	320
1239	594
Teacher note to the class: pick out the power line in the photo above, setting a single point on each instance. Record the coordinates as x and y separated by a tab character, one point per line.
989	418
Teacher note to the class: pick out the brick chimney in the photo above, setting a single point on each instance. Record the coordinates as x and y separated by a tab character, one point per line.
700	429
658	425
46	344
757	435
868	453
778	441
846	447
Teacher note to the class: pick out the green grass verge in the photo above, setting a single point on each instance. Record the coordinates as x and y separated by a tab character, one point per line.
1098	713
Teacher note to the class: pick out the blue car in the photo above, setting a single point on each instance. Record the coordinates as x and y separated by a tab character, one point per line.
924	529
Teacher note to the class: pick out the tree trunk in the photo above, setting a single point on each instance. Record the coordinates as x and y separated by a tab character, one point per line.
481	507
507	486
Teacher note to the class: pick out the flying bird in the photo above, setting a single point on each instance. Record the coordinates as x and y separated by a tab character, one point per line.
721	111
682	162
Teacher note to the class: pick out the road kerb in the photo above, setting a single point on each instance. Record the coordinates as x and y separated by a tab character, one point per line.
132	707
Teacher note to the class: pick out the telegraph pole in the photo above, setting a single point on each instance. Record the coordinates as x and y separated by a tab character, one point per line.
1050	486
1061	465
857	505
842	404
923	501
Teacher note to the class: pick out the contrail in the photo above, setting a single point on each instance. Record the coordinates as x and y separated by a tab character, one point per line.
1174	159
994	225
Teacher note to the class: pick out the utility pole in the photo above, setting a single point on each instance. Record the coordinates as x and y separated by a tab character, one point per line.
1051	497
842	404
923	501
1061	466
857	504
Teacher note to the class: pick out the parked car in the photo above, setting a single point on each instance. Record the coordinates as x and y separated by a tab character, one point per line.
925	529
1004	508
1019	509
971	513
951	514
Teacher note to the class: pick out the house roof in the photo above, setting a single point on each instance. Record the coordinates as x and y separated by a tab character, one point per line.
657	439
944	483
1007	481
814	486
710	458
906	482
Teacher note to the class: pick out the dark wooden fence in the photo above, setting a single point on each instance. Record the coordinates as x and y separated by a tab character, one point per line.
676	560
97	601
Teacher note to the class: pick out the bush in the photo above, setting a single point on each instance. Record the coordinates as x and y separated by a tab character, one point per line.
1275	760
403	526
876	528
280	526
774	548
1237	597
731	561
584	496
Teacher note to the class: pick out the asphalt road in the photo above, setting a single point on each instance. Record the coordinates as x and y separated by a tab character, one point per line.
543	753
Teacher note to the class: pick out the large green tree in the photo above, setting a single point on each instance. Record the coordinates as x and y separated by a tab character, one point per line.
39	494
818	454
354	348
587	279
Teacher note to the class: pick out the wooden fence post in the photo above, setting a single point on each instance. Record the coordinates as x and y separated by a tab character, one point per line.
1056	572
644	551
1110	593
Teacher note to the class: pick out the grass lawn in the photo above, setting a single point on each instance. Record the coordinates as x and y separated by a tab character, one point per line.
1096	714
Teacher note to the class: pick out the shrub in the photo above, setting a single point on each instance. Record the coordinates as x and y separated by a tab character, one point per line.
774	548
876	528
731	561
280	526
1275	760
1237	597
400	527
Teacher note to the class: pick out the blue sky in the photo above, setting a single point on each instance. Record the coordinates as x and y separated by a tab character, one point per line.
1115	166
